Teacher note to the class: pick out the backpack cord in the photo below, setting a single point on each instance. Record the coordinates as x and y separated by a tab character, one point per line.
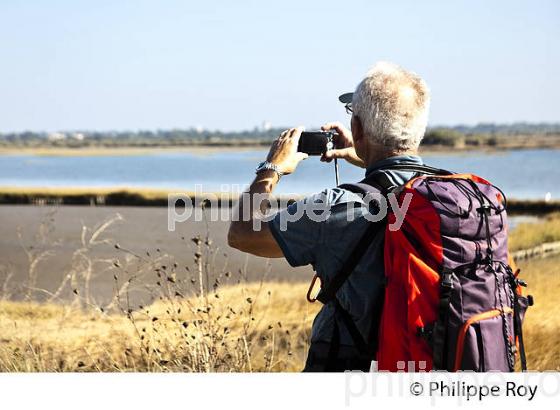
517	325
485	208
505	327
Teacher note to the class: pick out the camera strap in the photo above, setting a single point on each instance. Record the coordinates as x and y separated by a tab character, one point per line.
336	172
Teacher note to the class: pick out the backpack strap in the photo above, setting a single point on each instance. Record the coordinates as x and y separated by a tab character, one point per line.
439	331
386	185
359	342
328	293
517	321
418	168
519	332
378	185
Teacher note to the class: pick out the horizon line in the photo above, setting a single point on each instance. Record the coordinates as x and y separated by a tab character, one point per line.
200	129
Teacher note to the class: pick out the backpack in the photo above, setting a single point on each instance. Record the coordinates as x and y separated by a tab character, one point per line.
451	299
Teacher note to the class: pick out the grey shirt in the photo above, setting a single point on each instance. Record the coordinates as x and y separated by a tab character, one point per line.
327	228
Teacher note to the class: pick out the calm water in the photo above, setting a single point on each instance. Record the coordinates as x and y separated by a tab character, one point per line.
521	174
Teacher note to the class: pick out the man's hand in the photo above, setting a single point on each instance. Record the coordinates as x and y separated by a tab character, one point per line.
344	145
283	152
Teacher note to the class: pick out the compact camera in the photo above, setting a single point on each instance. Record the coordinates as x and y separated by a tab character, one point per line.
316	142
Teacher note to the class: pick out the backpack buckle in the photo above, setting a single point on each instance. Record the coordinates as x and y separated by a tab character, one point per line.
521	282
485	208
447	280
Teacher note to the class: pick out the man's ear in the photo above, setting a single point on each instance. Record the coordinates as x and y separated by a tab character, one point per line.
357	129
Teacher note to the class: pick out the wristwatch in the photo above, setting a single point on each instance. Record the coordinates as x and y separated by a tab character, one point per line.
266	166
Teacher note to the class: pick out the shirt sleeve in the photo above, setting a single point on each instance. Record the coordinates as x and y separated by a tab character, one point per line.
298	229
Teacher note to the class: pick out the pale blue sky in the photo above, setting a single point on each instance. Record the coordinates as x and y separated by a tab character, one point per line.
232	64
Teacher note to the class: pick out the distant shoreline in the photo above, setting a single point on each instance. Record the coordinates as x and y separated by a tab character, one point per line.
146	197
123	151
206	149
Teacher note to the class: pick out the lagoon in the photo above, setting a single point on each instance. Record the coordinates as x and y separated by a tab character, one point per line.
522	174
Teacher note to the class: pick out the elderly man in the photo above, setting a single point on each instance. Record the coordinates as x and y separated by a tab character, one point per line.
389	115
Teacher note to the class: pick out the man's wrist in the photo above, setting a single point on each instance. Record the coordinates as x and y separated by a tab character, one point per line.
269	165
267	176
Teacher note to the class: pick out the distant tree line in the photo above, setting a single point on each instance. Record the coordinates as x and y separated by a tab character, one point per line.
458	136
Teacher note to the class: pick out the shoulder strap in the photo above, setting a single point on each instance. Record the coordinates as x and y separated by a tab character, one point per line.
374	185
328	293
419	168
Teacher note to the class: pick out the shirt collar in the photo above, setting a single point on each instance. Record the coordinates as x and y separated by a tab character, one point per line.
398	159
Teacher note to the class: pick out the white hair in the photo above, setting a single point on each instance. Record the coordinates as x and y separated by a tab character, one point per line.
392	105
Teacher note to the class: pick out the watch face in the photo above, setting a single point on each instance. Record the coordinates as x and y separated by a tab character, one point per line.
261	166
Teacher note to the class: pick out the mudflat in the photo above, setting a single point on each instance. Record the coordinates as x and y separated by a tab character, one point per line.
141	235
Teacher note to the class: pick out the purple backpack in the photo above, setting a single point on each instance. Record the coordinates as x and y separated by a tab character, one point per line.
452	301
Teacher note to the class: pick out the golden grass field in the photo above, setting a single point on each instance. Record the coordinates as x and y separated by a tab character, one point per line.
244	327
527	235
240	328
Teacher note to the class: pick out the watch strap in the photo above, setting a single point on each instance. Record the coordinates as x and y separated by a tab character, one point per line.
268	166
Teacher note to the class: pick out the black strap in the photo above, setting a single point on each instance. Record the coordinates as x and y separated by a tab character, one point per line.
383	181
420	168
355	333
380	181
439	333
359	342
328	292
519	331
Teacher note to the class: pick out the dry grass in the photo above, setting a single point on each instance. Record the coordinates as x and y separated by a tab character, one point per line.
253	327
527	235
542	325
